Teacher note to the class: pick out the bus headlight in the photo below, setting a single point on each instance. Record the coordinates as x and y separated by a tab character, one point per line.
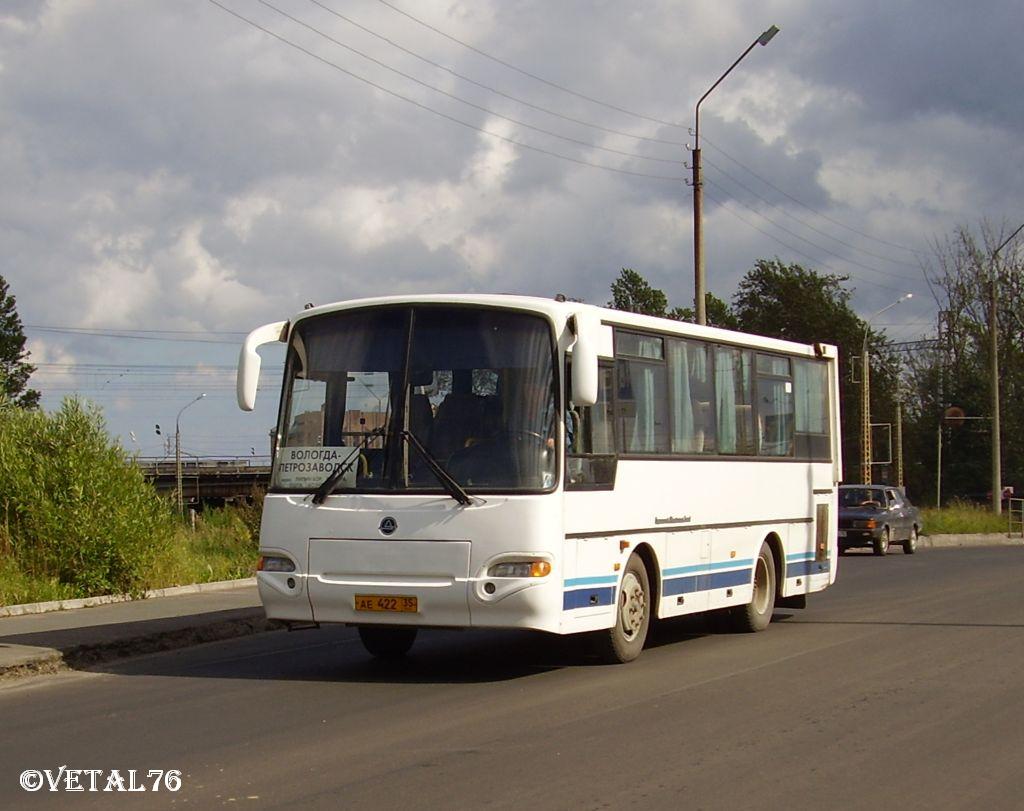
275	563
520	568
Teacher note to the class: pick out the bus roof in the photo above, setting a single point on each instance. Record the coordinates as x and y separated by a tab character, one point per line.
560	311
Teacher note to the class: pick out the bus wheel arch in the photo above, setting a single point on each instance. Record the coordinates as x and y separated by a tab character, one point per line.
634	606
757	614
775	544
650	561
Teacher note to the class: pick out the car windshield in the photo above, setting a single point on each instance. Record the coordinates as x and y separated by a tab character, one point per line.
861	497
475	386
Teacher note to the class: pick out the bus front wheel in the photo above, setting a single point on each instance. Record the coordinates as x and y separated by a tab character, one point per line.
386	641
624	641
755	615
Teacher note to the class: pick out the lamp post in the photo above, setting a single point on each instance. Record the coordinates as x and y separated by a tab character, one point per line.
865	405
993	332
177	452
698	193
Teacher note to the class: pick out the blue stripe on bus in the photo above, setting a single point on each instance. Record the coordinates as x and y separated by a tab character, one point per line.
687	579
706	581
804	568
587	598
706	567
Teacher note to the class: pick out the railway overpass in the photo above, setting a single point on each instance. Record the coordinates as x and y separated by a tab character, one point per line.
208	480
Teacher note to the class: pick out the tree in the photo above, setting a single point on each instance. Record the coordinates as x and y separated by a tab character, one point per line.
14	367
956	372
631	292
716	311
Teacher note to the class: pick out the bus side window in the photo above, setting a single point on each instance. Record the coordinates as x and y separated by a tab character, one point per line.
590	441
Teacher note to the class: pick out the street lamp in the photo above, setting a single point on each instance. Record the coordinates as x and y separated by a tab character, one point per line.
865	406
698	194
177	452
993	332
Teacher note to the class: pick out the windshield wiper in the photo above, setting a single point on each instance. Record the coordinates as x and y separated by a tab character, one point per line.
447	481
328	485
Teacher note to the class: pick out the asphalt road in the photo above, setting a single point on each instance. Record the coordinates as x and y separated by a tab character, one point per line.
900	686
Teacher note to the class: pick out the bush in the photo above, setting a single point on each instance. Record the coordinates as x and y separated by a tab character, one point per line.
74	509
963	518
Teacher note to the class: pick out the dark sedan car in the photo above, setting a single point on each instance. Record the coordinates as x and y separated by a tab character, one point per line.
877	516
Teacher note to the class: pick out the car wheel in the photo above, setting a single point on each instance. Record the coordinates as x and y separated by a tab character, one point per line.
910	545
624	641
882	544
755	615
386	641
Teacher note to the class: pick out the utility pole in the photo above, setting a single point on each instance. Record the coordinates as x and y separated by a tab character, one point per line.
865	403
699	305
865	414
899	441
177	454
993	332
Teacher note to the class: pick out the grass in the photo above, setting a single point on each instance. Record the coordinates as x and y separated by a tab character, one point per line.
223	546
962	518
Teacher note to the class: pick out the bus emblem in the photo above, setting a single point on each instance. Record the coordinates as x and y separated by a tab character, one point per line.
388	525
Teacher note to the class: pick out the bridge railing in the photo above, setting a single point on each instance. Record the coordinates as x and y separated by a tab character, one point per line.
204	465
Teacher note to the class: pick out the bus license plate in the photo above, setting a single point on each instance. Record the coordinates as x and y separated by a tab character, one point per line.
378	602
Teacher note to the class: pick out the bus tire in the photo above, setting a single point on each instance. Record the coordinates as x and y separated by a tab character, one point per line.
755	615
624	641
387	641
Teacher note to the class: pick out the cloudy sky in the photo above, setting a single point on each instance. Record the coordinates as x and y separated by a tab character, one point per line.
177	173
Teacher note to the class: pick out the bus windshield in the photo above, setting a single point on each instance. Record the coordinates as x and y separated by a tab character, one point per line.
474	387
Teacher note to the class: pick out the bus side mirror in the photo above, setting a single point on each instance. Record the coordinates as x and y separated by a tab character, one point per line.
584	363
249	361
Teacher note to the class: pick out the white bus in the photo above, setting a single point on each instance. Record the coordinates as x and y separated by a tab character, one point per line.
509	462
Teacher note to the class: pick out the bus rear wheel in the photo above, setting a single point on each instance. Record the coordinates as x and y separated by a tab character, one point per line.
386	641
755	615
624	641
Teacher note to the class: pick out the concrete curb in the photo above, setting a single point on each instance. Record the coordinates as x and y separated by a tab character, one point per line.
991	539
107	599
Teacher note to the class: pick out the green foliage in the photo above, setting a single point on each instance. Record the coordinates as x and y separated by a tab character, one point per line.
963	518
797	304
632	292
956	372
14	368
17	587
223	546
74	509
716	312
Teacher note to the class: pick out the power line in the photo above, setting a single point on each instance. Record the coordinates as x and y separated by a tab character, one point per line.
643	117
786	245
131	334
459	99
807	225
490	89
436	112
808	241
527	73
804	205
